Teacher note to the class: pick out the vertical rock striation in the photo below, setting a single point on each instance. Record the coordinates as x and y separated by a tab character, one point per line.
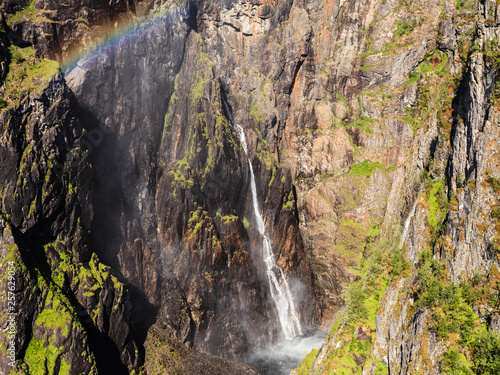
69	306
440	307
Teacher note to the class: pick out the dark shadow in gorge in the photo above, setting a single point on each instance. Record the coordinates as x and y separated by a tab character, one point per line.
108	204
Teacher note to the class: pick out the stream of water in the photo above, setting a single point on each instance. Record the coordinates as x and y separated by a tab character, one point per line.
280	358
407	224
278	284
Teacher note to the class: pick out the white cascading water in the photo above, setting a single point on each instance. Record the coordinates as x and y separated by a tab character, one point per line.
280	290
407	224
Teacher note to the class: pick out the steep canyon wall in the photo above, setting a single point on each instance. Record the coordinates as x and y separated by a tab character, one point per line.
126	202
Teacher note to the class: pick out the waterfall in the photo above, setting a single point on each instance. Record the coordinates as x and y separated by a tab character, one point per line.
278	285
407	224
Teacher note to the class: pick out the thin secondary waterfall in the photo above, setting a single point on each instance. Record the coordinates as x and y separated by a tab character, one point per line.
407	224
280	290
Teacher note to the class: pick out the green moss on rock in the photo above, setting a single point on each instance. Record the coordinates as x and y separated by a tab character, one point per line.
27	74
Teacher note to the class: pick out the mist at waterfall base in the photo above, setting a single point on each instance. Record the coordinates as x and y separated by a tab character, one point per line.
287	355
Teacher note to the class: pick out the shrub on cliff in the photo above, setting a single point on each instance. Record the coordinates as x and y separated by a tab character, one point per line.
355	307
486	354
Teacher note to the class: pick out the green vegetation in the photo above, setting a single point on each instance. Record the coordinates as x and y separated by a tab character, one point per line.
41	358
196	222
460	180
264	154
87	278
71	189
203	62
451	308
64	367
256	113
84	23
32	207
397	263
430	290
198	87
366	168
200	224
26	74
352	237
161	356
465	41
56	317
494	183
227	218
436	90
270	184
179	176
435	62
355	303
288	202
466	5
30	13
495	213
405	27
306	365
84	20
435	196
208	134
362	123
454	363
485	350
454	320
246	223
491	50
356	325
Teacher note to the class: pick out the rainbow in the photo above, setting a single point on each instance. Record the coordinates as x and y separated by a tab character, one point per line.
132	28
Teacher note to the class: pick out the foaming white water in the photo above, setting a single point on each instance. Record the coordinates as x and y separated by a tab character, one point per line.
278	284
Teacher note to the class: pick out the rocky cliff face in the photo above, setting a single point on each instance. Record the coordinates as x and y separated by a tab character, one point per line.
438	313
69	306
58	29
178	226
182	189
126	189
